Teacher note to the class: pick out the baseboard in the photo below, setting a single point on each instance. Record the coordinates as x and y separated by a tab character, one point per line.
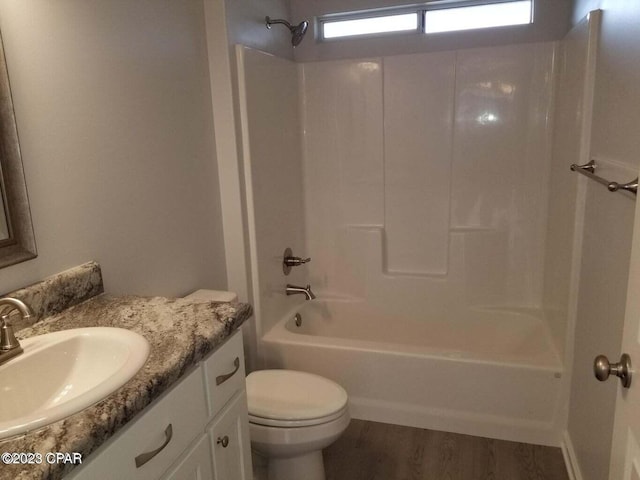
570	459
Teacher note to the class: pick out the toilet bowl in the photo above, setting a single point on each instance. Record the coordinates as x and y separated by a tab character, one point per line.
292	417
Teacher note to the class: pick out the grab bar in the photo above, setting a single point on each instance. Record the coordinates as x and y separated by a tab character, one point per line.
588	170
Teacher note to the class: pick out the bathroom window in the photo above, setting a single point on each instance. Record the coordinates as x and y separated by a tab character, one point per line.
427	19
349	27
478	16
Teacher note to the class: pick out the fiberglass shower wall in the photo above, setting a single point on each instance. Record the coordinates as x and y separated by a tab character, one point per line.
271	152
426	178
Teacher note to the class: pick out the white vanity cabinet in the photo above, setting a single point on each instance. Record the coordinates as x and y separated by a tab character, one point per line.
198	429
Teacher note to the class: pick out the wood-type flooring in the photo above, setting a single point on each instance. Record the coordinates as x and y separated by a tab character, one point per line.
378	451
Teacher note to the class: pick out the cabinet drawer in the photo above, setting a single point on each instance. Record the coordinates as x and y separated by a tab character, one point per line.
224	373
184	408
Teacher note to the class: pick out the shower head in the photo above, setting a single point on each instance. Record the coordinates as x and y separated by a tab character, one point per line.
297	31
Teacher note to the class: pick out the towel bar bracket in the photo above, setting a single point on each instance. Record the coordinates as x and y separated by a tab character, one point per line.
588	167
632	186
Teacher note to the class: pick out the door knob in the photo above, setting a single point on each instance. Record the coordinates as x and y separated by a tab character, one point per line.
602	369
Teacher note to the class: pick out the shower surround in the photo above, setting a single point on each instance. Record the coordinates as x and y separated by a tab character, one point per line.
437	163
419	185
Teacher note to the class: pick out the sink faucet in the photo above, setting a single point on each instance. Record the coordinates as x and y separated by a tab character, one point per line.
9	345
294	290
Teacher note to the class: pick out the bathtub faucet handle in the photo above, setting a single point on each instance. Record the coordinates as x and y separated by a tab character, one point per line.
295	261
289	260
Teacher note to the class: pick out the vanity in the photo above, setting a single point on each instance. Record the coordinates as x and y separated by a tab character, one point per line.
198	429
182	415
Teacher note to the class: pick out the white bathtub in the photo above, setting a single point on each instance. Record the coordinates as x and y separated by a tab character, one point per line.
491	373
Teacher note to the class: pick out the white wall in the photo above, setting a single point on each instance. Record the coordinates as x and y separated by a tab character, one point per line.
114	114
572	127
617	79
418	140
227	24
272	154
552	20
607	231
440	201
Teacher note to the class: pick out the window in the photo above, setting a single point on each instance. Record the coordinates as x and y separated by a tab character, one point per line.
431	18
477	16
369	25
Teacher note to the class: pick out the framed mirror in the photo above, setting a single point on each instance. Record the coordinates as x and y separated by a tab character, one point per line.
17	242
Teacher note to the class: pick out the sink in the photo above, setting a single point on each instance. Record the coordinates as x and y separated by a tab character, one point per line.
64	372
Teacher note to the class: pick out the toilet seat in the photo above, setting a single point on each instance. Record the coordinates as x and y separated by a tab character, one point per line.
271	422
288	398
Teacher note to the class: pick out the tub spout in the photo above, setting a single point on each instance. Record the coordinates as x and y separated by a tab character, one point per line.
295	290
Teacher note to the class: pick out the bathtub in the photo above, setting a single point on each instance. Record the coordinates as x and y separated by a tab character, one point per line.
485	372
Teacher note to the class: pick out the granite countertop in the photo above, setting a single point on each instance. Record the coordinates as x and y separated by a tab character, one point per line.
180	331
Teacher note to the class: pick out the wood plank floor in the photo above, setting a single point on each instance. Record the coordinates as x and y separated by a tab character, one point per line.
378	451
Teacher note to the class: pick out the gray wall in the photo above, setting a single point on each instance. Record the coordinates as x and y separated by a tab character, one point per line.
617	94
582	7
552	21
607	232
114	114
246	25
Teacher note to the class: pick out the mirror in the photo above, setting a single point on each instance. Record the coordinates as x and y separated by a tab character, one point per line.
17	242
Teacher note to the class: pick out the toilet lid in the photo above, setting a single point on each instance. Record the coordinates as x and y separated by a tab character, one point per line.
292	395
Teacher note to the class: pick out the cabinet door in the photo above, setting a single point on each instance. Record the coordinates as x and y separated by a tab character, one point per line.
195	465
230	441
163	431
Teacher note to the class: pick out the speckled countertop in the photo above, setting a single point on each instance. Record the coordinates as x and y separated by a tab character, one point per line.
181	333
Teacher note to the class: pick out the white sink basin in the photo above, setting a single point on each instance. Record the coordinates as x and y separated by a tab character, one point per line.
64	372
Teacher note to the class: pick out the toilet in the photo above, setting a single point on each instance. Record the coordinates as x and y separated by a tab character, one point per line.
292	417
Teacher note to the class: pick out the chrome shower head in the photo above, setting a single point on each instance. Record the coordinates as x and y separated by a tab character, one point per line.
297	31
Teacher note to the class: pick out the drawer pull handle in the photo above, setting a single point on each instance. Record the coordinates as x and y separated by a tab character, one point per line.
145	457
220	379
224	441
